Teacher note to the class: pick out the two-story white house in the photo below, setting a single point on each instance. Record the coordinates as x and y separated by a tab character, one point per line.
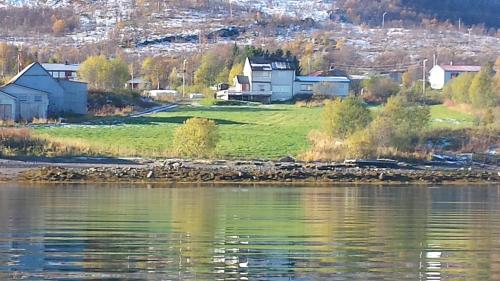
268	80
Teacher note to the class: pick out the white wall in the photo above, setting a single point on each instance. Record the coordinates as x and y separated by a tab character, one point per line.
437	77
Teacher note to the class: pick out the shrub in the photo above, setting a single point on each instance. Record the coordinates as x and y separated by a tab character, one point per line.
323	148
197	137
341	118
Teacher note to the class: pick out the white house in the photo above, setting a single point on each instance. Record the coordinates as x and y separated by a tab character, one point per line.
62	70
35	93
268	80
441	74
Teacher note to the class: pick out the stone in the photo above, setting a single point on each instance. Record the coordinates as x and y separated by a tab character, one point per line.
288	159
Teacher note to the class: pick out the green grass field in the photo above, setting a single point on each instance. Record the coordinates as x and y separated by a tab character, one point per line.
246	132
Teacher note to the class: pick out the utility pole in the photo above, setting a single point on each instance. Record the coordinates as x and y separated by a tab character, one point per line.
423	79
459	24
383	19
231	9
184	78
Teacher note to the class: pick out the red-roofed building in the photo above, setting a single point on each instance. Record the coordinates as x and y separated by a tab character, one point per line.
441	74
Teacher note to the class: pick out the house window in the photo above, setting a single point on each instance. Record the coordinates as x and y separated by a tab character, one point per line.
306	87
38	98
23	98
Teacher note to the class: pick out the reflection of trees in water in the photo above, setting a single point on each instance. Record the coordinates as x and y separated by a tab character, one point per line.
204	233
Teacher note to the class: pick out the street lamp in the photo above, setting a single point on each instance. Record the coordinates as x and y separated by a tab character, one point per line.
383	19
423	79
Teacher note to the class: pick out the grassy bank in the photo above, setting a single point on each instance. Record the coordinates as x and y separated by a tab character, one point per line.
246	132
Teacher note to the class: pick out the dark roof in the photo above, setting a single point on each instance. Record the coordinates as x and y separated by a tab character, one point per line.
242	79
267	64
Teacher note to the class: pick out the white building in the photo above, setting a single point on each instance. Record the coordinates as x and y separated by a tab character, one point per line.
62	70
441	74
268	80
35	93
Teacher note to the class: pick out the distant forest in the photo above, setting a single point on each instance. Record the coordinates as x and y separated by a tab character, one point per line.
472	12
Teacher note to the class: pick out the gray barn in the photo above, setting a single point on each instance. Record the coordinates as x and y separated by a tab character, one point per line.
35	93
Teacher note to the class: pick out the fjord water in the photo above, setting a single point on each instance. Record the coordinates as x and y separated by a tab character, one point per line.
139	232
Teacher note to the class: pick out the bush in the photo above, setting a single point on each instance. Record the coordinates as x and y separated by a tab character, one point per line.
341	118
197	137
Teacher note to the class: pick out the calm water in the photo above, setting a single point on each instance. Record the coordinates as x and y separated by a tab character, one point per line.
116	232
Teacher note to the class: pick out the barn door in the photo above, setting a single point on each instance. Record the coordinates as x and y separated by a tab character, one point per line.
5	112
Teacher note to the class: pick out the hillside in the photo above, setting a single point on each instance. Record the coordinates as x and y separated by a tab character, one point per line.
471	12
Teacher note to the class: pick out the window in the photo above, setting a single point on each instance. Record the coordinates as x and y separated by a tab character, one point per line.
23	98
306	87
38	98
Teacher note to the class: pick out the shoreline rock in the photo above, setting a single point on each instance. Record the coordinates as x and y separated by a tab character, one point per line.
257	171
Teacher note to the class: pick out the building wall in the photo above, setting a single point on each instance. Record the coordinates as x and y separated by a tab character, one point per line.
75	96
38	78
337	89
7	103
247	71
282	84
437	77
29	103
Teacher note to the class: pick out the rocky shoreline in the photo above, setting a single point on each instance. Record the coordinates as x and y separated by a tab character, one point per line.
260	171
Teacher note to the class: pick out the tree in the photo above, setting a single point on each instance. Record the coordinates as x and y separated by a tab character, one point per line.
379	89
92	71
152	70
8	59
207	73
58	27
173	78
117	74
197	137
237	69
458	88
399	124
481	90
496	80
101	73
410	76
341	118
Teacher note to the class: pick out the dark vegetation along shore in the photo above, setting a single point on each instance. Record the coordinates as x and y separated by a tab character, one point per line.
260	171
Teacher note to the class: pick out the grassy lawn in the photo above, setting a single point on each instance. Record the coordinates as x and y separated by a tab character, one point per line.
246	132
443	116
253	132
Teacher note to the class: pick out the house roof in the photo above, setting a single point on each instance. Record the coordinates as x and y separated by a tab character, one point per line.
25	87
313	79
242	79
7	94
461	68
60	67
21	73
267	64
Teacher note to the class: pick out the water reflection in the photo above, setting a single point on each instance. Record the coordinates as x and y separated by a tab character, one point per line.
77	232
